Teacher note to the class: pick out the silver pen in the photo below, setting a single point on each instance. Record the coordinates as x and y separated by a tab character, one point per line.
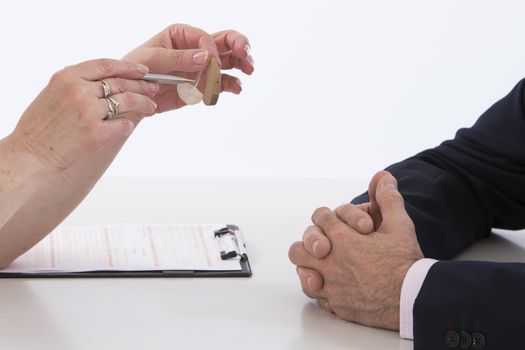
167	79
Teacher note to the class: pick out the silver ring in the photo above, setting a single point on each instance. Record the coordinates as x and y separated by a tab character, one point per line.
115	104
105	89
111	113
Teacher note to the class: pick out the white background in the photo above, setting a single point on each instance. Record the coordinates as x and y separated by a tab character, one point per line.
341	88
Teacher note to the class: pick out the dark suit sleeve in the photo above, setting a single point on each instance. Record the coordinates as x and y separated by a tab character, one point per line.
455	194
477	303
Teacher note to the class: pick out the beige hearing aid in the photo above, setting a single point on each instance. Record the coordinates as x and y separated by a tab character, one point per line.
213	83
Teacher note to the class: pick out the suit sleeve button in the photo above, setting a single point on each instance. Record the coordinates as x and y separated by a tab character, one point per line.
465	340
478	341
452	339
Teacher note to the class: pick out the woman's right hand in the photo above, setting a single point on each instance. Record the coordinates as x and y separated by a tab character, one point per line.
67	121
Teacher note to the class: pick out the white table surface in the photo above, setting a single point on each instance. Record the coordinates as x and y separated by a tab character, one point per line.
266	311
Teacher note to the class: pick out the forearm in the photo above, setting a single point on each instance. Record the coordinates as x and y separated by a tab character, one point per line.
49	204
21	174
457	192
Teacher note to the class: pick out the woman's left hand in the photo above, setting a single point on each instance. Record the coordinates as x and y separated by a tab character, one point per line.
183	50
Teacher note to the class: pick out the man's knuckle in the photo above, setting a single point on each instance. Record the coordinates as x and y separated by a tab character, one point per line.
307	235
293	251
344	210
338	231
322	214
316	213
355	214
310	229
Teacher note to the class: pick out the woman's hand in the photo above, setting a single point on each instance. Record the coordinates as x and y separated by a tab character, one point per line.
67	121
234	50
186	51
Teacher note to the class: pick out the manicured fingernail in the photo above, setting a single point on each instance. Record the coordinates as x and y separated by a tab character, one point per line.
154	88
314	247
141	68
200	57
247	49
309	282
240	84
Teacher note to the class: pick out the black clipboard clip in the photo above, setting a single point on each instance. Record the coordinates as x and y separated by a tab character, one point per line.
231	243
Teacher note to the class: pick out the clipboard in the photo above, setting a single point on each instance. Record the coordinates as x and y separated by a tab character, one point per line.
230	246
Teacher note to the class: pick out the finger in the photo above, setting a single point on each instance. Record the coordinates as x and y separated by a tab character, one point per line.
390	201
326	305
246	65
364	207
375	211
133	117
333	227
165	60
299	256
184	36
119	85
356	218
231	40
114	130
108	68
315	242
129	102
311	282
231	84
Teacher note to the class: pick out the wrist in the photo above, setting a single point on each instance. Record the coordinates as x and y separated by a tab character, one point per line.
29	162
412	284
394	312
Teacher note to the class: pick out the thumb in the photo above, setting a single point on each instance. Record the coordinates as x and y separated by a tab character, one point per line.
164	60
390	201
375	211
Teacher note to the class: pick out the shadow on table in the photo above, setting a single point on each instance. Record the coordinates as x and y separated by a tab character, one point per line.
323	330
25	321
501	246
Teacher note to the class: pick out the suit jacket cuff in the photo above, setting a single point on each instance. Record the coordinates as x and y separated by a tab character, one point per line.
411	286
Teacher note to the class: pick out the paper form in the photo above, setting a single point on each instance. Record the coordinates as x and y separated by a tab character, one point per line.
127	247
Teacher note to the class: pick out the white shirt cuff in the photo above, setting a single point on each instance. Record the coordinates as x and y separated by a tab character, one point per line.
411	286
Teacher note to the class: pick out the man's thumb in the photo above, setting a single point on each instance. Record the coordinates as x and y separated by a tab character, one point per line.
389	200
375	211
